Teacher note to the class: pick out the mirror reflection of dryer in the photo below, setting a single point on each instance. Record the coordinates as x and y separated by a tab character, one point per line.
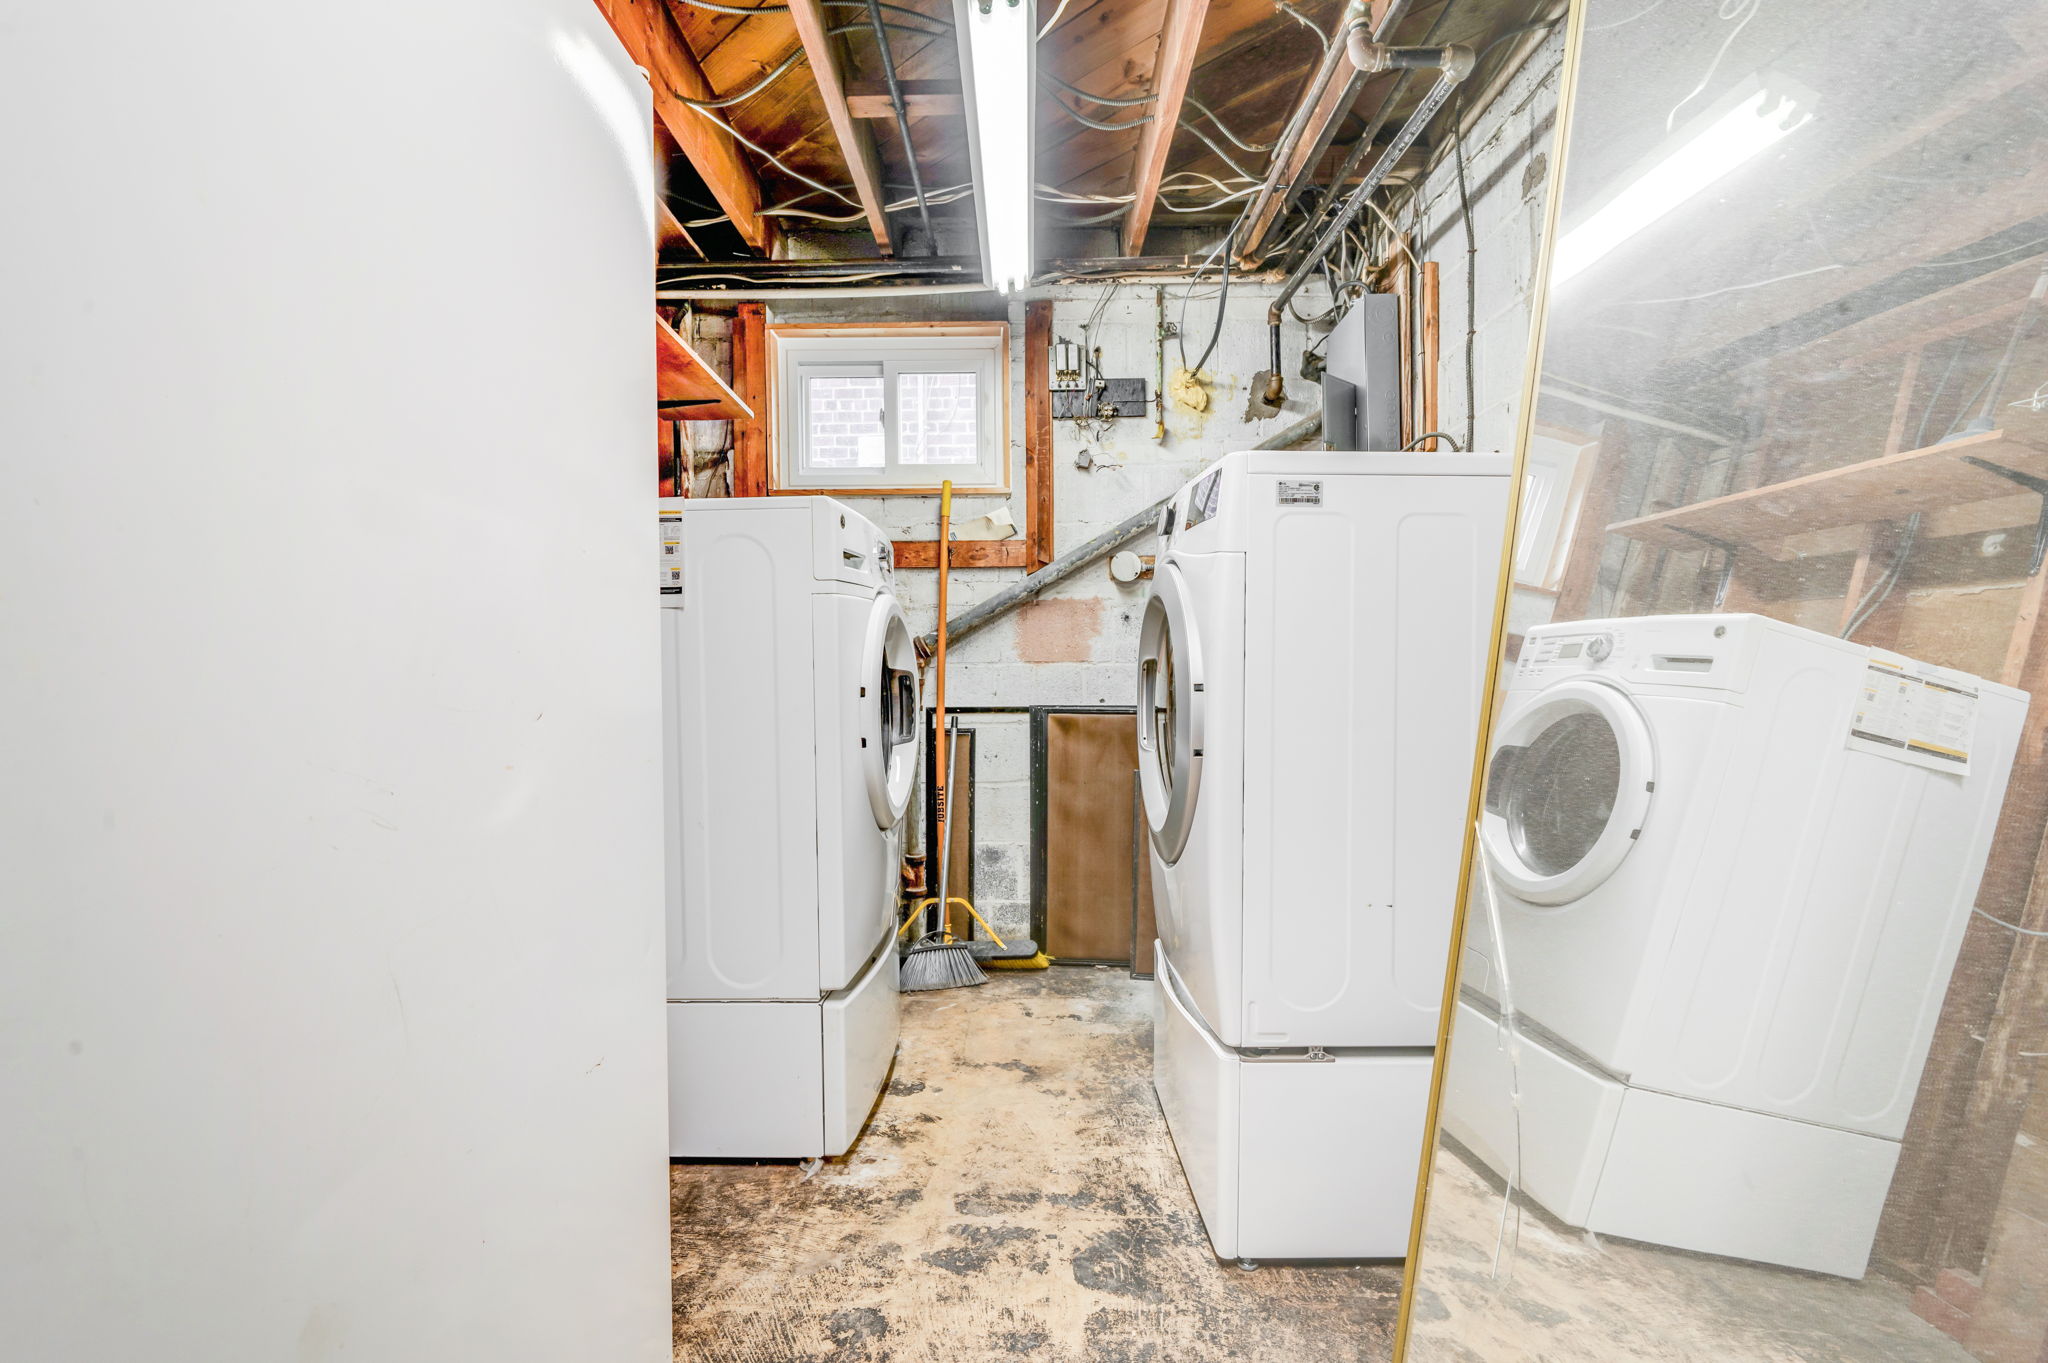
791	745
1310	666
1732	862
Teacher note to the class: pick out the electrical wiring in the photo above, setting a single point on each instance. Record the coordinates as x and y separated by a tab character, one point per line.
1306	22
1088	122
1212	145
1055	19
1471	279
1456	448
1742	11
1880	593
775	160
1221	126
1120	103
788	207
727	101
2009	927
741	10
1212	205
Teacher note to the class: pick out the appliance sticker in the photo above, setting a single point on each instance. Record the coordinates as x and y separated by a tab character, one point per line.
1915	714
1300	492
671	554
1202	503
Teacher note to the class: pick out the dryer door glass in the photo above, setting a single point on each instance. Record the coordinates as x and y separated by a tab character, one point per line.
1556	795
1568	787
1169	714
888	697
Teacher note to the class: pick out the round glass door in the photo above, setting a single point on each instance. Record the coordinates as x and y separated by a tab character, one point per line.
889	711
1568	785
1170	703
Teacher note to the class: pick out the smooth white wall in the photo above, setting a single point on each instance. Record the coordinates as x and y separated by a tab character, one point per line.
330	965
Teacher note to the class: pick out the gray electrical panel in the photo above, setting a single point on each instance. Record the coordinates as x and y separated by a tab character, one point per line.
1362	377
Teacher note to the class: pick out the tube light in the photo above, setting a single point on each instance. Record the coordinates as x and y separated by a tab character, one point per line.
1716	146
996	44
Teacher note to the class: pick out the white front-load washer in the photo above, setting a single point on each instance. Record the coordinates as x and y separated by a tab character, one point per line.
1309	679
791	742
1731	861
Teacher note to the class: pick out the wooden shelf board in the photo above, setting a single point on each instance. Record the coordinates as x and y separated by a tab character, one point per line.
682	375
1931	479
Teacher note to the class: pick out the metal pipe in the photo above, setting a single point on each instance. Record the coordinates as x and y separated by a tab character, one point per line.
1455	63
1356	13
1027	588
770	270
924	211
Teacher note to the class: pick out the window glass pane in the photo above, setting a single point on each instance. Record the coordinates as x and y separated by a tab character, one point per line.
843	422
936	419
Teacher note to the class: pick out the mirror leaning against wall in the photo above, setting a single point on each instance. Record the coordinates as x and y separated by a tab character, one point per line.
1749	1018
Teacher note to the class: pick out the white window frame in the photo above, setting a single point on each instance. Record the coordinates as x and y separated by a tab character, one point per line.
1553	489
800	350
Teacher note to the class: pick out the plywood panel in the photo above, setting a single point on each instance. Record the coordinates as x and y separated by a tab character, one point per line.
1087	760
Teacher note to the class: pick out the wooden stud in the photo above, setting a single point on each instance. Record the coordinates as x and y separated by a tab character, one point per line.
750	381
1179	37
856	143
651	38
1038	535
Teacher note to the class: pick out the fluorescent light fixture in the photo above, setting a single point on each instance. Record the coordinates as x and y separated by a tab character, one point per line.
996	60
1711	148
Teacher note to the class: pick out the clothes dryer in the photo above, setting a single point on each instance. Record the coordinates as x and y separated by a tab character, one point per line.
1732	862
1309	676
791	743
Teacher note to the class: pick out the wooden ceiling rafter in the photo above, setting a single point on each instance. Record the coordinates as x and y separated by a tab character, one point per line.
856	142
654	42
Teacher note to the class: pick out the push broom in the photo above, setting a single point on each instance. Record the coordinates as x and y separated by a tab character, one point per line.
939	960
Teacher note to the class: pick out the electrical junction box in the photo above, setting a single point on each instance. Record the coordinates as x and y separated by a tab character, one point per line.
1102	400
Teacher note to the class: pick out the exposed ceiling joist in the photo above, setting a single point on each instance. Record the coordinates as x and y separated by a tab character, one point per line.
921	98
856	143
653	41
1178	41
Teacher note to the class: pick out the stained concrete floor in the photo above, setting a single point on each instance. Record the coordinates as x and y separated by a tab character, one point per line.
1562	1296
1015	1198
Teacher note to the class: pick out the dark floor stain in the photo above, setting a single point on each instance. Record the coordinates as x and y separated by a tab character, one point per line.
1022	1341
903	1088
857	1333
1120	1261
977	1248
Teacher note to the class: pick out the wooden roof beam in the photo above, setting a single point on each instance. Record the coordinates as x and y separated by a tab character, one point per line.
856	143
651	38
1179	37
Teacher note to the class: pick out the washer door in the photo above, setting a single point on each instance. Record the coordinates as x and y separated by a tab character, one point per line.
1568	785
888	714
1170	701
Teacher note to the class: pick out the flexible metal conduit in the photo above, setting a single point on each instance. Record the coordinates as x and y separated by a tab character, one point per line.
1454	64
1074	560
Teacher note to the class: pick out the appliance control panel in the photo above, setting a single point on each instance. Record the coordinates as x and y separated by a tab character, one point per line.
1572	652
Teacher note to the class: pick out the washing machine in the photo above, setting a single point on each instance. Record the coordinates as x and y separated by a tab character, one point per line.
1732	861
1310	666
791	741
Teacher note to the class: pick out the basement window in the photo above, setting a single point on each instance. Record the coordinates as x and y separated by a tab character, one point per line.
890	409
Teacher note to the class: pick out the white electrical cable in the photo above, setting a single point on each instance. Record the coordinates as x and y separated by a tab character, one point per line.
2009	927
1740	10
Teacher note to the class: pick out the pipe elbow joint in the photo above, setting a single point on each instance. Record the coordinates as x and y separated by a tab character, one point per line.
1276	390
1457	63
